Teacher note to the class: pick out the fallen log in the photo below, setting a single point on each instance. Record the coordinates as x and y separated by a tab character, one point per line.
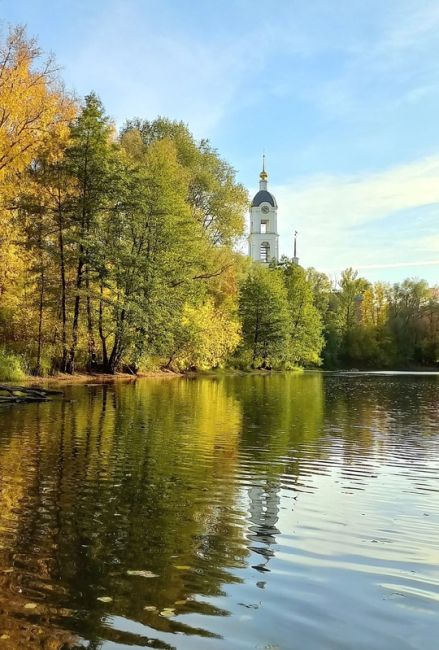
19	394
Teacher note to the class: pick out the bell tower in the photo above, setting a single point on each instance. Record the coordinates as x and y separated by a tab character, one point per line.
263	240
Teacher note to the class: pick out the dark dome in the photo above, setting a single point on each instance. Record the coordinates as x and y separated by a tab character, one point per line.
263	196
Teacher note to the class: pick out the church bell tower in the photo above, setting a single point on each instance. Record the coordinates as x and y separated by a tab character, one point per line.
263	240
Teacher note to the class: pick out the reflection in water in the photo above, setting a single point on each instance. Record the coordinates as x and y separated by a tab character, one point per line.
282	511
263	515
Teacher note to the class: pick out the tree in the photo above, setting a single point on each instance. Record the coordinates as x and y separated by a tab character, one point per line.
150	258
306	340
35	112
43	213
343	318
350	295
34	109
322	290
90	159
208	338
264	313
413	321
216	200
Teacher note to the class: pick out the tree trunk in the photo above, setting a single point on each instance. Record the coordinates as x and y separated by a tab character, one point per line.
255	339
62	268
85	226
70	366
101	328
40	320
116	352
91	343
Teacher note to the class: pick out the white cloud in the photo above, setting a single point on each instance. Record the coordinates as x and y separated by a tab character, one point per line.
362	198
363	219
399	265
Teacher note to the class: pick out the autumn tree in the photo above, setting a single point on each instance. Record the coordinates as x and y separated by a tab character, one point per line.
34	109
34	115
208	337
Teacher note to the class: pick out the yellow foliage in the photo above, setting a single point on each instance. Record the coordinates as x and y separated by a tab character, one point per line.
374	307
34	119
34	109
210	337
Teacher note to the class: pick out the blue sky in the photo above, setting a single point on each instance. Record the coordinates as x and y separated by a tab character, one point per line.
343	96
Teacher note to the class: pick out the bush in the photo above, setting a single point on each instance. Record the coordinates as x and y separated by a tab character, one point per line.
11	366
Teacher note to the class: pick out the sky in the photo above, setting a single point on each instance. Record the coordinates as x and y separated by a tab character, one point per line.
342	96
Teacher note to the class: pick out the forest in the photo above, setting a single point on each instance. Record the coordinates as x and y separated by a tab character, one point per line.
119	251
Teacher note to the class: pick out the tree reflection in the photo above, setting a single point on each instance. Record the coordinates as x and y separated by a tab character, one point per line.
185	479
123	478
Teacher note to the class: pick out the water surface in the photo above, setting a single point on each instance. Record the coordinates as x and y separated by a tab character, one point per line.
272	512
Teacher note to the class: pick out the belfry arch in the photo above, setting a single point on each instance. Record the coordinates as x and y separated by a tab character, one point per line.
264	252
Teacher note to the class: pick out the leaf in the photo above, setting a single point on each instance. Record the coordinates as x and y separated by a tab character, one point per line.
182	567
30	606
143	574
150	608
105	599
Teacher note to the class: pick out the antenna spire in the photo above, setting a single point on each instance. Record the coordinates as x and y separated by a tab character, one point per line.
295	258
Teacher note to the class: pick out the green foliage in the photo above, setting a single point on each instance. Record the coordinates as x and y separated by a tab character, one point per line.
321	289
306	340
282	328
414	322
11	366
381	326
217	202
263	309
123	241
120	251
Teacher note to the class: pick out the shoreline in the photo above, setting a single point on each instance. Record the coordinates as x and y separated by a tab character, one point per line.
101	378
107	378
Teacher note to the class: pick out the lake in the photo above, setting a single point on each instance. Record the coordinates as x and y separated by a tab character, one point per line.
285	511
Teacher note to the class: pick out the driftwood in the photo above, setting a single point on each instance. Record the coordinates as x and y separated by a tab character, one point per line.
20	394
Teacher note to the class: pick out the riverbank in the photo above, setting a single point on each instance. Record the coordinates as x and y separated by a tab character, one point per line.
101	378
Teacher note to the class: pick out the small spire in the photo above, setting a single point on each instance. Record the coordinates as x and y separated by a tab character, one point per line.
263	175
295	259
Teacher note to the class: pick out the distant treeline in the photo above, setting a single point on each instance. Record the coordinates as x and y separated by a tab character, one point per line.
118	252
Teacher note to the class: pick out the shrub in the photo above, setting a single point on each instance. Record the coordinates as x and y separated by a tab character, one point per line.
11	366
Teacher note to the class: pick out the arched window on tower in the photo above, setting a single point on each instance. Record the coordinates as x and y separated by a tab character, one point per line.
265	251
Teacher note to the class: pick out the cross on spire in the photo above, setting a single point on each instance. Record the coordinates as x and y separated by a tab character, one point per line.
263	175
